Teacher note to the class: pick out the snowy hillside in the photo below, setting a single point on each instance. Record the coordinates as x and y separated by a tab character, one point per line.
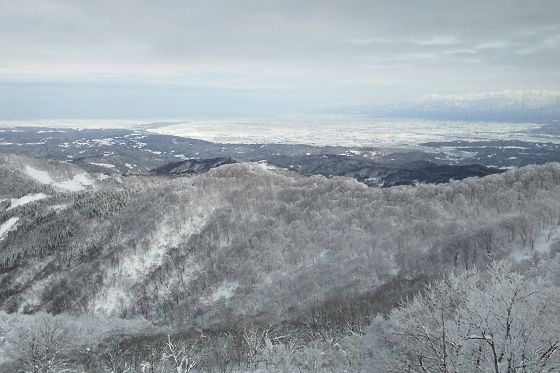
249	243
171	249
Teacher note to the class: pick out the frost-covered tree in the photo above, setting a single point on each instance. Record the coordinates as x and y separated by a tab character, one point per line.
501	322
39	344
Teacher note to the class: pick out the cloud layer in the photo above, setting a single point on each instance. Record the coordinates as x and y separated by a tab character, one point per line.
174	58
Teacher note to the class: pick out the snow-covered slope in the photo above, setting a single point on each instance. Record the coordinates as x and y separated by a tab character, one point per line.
243	240
7	226
28	198
77	183
45	175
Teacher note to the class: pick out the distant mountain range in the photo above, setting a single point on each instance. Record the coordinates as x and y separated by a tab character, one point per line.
504	106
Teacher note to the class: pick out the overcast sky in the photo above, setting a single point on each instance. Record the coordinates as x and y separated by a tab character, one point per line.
181	58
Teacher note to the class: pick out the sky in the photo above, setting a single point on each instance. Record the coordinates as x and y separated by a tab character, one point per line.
212	58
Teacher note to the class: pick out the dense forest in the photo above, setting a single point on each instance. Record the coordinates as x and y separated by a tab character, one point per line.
253	268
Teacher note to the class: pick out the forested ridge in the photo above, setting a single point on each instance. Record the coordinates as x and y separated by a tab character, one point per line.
247	267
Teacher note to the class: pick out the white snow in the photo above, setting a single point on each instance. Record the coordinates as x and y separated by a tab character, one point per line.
224	291
8	226
350	131
153	151
77	183
541	245
136	263
108	141
51	131
106	165
15	202
267	166
38	175
58	207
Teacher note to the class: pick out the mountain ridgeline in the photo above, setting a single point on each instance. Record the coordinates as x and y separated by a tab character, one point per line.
193	166
367	171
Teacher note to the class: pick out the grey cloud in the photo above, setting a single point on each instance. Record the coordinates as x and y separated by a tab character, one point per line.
310	52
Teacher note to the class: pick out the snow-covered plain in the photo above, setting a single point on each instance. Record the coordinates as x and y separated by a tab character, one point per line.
335	130
352	132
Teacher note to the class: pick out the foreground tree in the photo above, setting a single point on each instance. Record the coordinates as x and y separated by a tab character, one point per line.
498	322
39	344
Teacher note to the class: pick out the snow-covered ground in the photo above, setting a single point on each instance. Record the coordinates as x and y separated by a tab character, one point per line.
136	263
75	184
15	202
224	291
106	165
543	241
7	226
345	131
